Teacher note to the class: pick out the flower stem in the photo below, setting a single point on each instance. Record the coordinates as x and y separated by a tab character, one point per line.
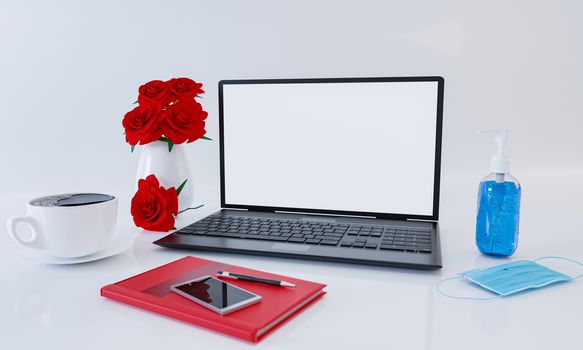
183	210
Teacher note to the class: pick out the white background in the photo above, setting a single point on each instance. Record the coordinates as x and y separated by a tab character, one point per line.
69	70
367	147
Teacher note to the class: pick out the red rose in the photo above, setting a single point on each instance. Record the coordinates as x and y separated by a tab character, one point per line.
142	124
155	92
154	207
184	121
185	88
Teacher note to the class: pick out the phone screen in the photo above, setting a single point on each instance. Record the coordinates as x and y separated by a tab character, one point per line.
215	292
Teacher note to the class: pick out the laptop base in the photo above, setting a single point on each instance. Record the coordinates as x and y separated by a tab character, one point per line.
369	241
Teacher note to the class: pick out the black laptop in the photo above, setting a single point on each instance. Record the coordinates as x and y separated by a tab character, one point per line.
343	170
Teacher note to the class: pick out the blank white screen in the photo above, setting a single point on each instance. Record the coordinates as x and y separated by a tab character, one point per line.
365	147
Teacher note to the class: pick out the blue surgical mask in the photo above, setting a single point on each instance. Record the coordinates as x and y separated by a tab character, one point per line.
511	278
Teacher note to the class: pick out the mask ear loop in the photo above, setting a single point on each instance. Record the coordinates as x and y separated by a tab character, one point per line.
438	287
566	259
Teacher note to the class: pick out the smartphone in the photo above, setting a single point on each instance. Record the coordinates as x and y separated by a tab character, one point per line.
216	295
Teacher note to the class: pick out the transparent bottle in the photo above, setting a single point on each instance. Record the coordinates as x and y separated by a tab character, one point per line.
497	223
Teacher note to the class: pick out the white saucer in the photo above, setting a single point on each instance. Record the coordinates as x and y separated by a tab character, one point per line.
119	244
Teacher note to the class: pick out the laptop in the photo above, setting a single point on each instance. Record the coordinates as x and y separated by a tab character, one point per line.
342	169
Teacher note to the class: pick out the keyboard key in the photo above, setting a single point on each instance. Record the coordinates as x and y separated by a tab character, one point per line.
297	240
312	241
333	234
345	244
276	238
325	242
371	245
358	244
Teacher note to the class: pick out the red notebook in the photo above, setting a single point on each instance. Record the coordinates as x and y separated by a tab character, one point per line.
151	291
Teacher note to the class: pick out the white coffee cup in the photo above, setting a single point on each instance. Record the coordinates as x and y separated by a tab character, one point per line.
67	225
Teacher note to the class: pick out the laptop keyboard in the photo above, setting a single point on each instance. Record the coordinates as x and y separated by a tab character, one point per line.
345	236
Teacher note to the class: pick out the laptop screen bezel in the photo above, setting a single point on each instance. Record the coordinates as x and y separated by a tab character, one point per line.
396	216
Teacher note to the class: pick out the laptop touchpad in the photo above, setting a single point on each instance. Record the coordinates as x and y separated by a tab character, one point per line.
291	247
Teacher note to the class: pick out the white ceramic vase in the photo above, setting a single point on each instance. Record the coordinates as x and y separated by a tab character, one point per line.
171	169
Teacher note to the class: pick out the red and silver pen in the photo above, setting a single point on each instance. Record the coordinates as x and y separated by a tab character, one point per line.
237	276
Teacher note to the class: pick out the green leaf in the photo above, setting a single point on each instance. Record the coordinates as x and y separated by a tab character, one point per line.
182	211
174	227
179	189
132	148
135	102
170	145
206	138
162	138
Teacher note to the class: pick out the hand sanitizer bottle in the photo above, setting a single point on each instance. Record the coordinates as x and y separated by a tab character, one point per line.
498	205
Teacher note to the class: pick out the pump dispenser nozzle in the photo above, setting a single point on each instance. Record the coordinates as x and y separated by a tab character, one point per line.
500	164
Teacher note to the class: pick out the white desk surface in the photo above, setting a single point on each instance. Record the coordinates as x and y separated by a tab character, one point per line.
59	307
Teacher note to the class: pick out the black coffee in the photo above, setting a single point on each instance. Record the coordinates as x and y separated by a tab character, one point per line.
71	200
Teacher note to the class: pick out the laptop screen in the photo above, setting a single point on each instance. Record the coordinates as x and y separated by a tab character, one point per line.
367	146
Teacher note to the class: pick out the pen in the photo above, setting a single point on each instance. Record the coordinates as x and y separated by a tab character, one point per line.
254	279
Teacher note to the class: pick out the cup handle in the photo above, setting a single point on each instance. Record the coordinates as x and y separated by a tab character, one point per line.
11	225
